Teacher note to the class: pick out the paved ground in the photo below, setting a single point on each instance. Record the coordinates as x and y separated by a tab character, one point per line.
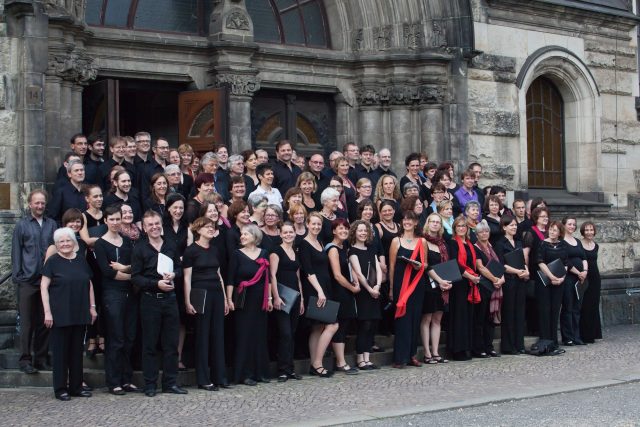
608	406
368	396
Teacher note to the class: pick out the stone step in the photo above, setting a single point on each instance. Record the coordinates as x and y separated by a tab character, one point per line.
96	377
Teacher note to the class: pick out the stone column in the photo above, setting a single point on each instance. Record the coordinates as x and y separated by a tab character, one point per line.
52	143
431	122
371	129
345	121
75	119
401	132
457	116
241	89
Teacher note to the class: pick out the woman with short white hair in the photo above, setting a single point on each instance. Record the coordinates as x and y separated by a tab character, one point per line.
69	305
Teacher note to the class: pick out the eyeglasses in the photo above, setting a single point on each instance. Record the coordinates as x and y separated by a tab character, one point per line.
271	216
336	186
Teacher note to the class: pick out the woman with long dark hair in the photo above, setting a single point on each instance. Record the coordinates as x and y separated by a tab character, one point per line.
407	261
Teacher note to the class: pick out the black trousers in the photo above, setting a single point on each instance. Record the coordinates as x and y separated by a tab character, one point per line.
514	293
251	359
66	358
287	325
407	327
483	327
549	299
120	311
570	312
209	335
160	323
366	332
32	329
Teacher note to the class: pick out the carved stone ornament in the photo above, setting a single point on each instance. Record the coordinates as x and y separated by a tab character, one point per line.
382	37
75	8
239	84
438	36
399	94
357	40
237	20
412	36
72	67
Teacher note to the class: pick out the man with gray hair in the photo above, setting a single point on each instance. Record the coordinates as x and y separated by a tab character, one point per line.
69	194
262	156
384	164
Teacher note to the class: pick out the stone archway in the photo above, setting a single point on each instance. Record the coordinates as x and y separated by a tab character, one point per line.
582	113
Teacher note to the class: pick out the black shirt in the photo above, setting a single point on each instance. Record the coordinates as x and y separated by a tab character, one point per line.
204	264
65	197
133	200
144	173
144	264
105	172
287	273
28	246
69	289
106	252
283	177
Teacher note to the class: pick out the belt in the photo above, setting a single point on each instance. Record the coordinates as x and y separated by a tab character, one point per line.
160	295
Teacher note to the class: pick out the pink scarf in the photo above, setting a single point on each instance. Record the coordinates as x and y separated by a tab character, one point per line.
264	266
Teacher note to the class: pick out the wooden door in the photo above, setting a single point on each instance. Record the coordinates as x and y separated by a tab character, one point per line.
203	118
545	136
101	108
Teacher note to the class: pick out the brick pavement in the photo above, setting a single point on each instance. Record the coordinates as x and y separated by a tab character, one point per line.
370	395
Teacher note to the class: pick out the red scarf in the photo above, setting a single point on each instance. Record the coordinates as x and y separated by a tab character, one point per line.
408	286
539	233
474	292
264	266
444	257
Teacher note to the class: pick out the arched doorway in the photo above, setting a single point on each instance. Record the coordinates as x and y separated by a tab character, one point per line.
545	135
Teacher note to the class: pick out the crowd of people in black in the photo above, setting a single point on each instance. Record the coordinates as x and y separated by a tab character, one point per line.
133	252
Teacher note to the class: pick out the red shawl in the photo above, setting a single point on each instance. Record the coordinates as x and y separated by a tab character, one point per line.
264	268
474	292
408	286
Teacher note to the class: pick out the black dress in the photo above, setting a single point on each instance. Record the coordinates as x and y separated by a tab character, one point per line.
315	262
287	275
251	359
483	326
269	243
179	239
571	304
460	330
495	231
69	303
432	301
345	297
590	326
97	328
514	292
407	327
209	326
368	308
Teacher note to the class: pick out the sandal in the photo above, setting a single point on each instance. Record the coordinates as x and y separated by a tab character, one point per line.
440	359
117	391
319	372
371	365
130	388
347	369
92	349
362	365
429	360
100	345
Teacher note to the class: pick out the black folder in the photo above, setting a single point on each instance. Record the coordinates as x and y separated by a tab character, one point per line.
198	298
581	288
289	296
556	267
448	270
497	270
515	259
327	314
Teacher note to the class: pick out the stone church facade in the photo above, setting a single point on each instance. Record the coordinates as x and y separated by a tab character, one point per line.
542	93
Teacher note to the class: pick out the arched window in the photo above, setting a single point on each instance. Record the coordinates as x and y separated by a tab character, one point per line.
545	136
296	22
174	16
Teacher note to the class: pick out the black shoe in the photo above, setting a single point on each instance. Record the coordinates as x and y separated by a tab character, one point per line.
151	392
579	342
282	378
522	351
130	388
225	385
174	389
117	391
63	396
210	387
42	366
294	376
481	355
86	387
264	380
494	353
28	369
567	343
250	382
81	393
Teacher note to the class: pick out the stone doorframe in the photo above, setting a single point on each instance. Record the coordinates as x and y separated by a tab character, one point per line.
582	114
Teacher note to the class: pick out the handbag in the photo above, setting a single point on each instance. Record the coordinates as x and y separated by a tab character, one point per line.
238	298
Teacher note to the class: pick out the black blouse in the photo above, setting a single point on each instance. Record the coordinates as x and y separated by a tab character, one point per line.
106	252
204	264
287	273
68	290
548	252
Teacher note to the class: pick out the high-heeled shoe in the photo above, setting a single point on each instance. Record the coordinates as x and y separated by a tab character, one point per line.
100	345
91	352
